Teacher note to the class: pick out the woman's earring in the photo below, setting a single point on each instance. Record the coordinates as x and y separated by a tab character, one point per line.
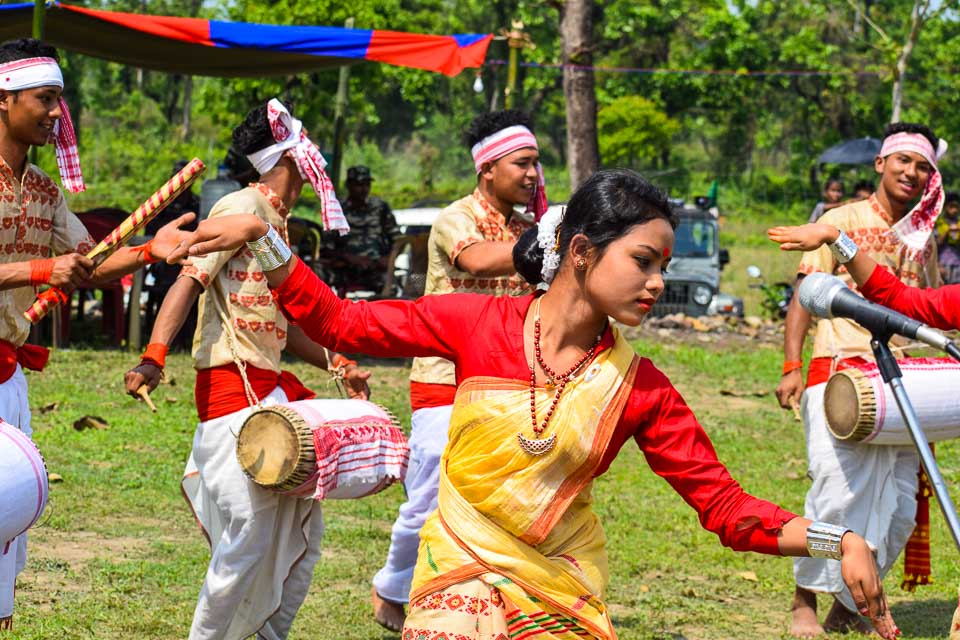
580	264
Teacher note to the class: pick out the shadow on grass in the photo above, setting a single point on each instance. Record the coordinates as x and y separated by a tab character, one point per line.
924	617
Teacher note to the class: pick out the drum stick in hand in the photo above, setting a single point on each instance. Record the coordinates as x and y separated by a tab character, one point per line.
119	237
796	410
144	393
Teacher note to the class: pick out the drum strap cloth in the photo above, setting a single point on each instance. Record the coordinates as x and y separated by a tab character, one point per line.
916	556
28	356
220	390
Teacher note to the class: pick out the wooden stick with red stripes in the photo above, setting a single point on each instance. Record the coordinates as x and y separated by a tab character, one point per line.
117	238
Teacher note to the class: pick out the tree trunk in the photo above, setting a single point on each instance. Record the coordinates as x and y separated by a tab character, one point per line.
917	17
576	33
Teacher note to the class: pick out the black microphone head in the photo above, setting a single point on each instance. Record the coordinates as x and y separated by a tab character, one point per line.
817	292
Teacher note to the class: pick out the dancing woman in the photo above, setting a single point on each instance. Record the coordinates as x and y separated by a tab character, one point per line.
548	393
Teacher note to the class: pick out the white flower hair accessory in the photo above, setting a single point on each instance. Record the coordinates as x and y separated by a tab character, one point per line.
548	240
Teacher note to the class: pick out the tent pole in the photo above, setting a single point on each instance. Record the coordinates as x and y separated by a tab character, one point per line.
516	40
339	132
39	18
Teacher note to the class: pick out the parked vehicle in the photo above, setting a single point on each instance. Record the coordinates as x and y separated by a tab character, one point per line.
775	298
692	282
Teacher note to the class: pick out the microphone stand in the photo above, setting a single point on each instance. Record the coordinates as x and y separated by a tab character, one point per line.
891	374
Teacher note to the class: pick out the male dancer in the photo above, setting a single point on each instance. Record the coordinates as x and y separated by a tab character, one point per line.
872	489
470	250
264	545
938	308
41	242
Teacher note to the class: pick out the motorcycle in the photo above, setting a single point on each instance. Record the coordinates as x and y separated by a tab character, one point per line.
775	298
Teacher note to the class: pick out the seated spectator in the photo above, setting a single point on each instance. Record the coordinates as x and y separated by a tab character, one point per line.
360	257
948	239
832	198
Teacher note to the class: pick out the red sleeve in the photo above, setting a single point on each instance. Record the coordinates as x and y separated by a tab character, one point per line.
430	326
678	450
938	308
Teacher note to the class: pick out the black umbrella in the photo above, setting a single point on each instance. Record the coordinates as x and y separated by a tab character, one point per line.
859	151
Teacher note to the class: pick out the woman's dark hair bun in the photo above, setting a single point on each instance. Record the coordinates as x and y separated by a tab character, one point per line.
528	257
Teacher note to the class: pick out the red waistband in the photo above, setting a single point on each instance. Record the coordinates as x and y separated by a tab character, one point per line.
820	368
219	390
424	395
28	356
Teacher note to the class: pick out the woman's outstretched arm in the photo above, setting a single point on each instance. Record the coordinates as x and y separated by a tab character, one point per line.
431	326
938	308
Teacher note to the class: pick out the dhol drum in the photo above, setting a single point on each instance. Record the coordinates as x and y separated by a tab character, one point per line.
23	484
324	449
861	408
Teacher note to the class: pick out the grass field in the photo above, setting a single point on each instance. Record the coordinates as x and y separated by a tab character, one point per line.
119	556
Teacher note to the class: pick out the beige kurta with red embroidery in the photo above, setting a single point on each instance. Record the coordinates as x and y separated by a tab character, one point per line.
241	291
870	227
463	224
34	223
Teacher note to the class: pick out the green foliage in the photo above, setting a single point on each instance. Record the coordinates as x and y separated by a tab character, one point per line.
632	130
759	136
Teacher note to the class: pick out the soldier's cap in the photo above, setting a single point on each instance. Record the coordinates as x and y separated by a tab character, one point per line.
359	173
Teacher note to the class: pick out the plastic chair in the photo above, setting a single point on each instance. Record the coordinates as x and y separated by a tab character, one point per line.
100	222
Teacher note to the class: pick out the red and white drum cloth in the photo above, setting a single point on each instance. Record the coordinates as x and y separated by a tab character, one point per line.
359	450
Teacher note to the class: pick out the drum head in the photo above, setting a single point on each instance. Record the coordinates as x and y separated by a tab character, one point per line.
268	448
849	405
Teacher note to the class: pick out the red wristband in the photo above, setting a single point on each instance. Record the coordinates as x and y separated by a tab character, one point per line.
144	250
792	365
339	360
155	354
40	271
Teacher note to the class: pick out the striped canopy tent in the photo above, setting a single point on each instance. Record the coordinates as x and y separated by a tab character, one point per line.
195	46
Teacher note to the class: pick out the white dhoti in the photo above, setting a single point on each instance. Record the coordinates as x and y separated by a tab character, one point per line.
428	439
870	489
264	545
14	409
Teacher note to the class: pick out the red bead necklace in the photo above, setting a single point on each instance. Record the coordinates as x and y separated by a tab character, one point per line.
538	446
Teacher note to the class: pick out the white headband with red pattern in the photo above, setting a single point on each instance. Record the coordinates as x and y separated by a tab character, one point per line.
506	141
29	73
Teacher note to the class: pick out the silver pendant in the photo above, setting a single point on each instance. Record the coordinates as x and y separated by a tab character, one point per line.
537	447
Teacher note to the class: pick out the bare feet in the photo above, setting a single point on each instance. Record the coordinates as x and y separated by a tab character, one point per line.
805	624
388	614
843	621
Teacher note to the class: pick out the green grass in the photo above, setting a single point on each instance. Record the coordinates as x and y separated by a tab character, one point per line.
119	556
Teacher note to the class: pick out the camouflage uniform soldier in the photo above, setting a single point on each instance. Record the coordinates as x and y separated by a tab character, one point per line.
361	256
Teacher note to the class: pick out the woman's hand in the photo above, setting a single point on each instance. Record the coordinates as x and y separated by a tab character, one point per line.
859	569
223	233
806	237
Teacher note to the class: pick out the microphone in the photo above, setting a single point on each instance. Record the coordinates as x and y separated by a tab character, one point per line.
827	296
